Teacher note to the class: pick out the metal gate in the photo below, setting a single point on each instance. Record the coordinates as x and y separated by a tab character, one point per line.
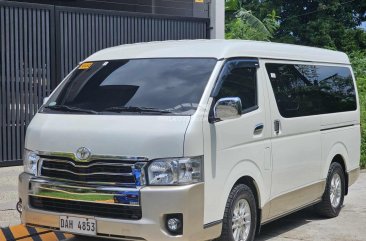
85	31
40	44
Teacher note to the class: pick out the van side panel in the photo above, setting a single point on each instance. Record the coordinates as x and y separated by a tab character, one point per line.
307	140
232	151
341	134
342	141
226	162
296	153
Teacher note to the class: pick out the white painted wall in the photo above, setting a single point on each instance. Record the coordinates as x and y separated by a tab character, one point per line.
217	16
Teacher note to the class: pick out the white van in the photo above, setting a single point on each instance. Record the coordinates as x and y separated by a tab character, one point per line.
192	140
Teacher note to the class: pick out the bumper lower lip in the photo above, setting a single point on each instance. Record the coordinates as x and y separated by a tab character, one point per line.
156	203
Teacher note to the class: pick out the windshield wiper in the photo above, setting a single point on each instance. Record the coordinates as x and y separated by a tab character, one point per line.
120	109
70	109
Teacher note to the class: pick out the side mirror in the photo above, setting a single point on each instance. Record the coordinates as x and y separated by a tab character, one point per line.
227	108
45	100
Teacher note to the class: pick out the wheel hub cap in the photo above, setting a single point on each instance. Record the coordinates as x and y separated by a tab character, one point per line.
335	190
241	220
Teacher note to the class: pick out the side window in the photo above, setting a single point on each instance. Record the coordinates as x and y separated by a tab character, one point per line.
239	79
337	89
303	90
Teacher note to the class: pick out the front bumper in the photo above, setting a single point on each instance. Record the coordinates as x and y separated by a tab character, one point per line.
156	202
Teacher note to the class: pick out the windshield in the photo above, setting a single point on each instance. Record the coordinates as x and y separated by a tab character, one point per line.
139	86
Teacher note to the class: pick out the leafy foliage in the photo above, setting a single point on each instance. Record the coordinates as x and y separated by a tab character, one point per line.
358	60
242	24
322	23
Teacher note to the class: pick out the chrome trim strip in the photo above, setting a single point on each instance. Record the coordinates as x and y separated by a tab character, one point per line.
93	157
90	165
89	174
89	194
214	223
72	185
336	127
118	184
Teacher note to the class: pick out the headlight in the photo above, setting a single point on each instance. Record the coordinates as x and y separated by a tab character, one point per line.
175	171
30	162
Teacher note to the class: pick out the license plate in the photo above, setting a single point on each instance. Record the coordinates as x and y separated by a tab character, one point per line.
78	225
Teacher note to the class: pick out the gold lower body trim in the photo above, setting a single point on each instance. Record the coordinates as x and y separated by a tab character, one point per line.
293	201
353	176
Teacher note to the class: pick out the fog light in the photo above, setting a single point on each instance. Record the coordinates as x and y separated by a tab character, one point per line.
174	224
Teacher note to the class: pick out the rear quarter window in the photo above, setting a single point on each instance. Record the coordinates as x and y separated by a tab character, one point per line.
303	90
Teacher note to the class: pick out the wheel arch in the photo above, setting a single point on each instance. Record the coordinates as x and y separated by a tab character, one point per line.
337	154
252	184
340	160
249	173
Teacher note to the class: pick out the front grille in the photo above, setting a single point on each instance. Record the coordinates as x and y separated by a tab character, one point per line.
86	208
96	171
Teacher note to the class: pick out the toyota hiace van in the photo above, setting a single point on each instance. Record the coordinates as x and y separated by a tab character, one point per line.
192	140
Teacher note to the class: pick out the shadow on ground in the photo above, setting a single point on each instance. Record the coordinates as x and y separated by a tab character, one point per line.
287	223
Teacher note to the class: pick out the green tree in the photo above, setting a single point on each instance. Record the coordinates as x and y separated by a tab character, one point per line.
243	24
358	59
321	23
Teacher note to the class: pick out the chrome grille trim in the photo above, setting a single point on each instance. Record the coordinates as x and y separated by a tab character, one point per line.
89	174
111	184
90	165
98	169
93	157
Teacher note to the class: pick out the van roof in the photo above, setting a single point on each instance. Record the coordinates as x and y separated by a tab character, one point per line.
219	49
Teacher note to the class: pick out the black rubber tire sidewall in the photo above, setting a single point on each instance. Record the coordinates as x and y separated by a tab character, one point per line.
325	208
240	191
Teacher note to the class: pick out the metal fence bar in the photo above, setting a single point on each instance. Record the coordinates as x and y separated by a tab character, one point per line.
25	74
100	27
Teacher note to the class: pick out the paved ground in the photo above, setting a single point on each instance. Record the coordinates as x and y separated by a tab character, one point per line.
301	226
305	225
9	195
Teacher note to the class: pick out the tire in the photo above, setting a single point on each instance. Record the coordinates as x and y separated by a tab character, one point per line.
333	197
241	196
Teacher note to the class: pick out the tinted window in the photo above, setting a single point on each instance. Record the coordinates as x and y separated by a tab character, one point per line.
173	85
303	90
239	80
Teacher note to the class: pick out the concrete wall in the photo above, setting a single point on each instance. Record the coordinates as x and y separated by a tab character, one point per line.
215	10
217	16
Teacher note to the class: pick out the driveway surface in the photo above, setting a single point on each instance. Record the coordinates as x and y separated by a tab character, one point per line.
350	225
301	226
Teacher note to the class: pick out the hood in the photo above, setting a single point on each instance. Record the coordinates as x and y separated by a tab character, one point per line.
116	135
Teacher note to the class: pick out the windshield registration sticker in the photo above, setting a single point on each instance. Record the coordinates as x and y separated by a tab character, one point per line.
86	65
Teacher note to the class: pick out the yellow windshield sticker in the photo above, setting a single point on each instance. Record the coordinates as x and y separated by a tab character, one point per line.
86	65
200	1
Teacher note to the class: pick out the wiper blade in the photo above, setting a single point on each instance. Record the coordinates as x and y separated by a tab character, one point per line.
136	109
70	109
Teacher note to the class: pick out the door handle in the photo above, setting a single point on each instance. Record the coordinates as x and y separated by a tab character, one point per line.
277	125
258	129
